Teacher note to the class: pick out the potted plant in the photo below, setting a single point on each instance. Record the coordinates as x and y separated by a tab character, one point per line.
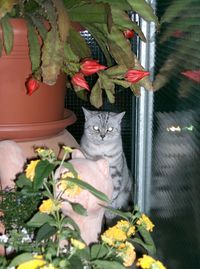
56	47
36	225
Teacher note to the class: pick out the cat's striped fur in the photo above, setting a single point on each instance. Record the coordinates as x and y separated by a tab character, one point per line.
102	138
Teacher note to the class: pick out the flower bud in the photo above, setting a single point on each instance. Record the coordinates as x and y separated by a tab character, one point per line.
79	80
32	85
129	33
134	76
90	67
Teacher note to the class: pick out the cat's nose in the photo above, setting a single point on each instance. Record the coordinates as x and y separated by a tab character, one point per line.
102	136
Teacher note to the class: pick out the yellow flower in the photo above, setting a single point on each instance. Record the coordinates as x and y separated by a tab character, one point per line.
77	244
48	206
35	263
144	220
69	188
147	262
127	253
30	169
113	236
126	227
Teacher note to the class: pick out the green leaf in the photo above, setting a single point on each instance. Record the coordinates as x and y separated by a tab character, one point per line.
45	232
120	49
23	181
87	13
34	48
98	251
78	208
84	185
70	167
122	83
52	57
96	95
144	9
148	241
108	264
122	20
42	171
116	71
8	35
21	259
100	37
70	55
78	44
75	262
71	222
124	215
39	219
175	9
6	6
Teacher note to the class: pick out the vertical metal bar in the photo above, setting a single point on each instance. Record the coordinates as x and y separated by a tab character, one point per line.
144	107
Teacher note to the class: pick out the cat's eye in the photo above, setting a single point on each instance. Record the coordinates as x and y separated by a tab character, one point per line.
96	128
110	129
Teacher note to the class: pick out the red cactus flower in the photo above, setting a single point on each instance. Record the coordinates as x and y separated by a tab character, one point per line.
90	67
79	80
32	85
134	76
192	74
128	33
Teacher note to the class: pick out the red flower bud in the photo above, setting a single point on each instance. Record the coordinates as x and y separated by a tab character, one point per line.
129	33
90	66
32	85
134	76
193	74
79	80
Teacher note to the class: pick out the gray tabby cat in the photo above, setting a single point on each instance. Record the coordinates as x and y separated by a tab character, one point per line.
102	138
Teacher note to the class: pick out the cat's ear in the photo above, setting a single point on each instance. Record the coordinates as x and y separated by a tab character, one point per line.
77	154
87	113
103	166
119	116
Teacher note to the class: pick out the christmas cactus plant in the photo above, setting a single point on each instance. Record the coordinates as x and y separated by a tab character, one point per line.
65	50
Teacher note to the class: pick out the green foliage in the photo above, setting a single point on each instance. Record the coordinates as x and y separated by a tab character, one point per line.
54	236
61	48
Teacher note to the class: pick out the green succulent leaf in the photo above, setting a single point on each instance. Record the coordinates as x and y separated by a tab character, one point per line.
143	9
122	83
96	95
63	19
100	37
87	13
38	22
116	71
34	47
8	36
78	44
122	20
175	9
122	4
52	57
120	49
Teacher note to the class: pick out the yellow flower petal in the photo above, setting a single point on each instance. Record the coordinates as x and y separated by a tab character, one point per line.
146	222
126	226
77	244
30	169
35	263
69	188
113	235
127	254
48	206
145	262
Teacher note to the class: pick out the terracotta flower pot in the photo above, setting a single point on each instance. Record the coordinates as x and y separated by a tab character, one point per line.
24	117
